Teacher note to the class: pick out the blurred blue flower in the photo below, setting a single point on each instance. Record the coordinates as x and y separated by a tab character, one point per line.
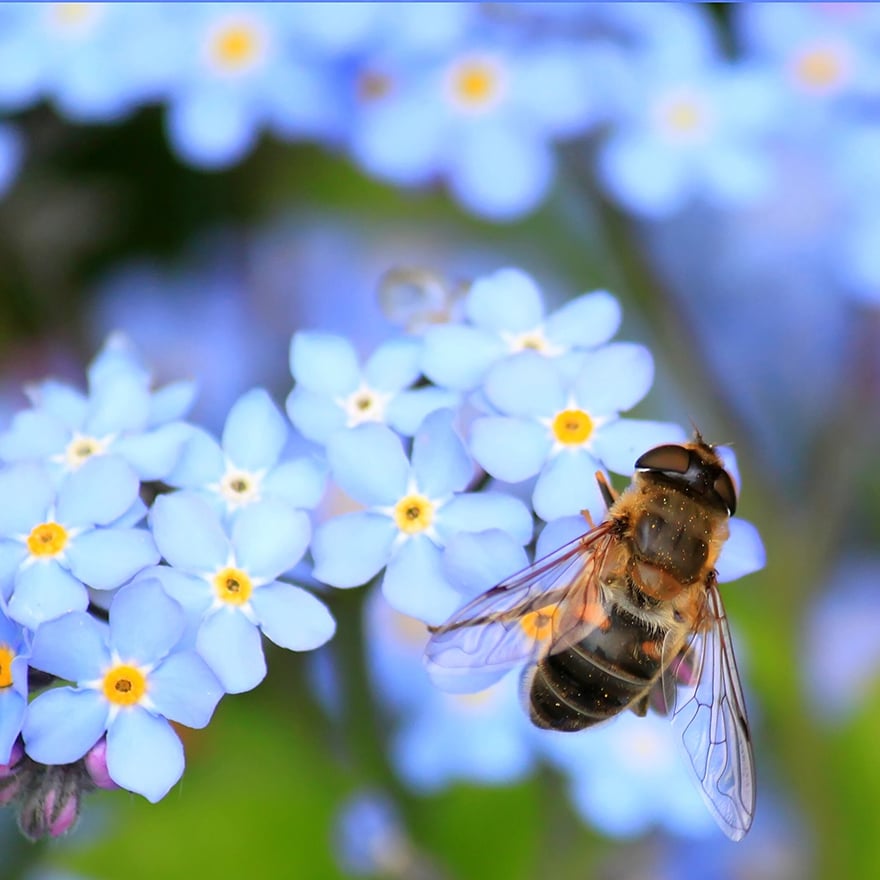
119	416
565	430
11	156
14	652
505	315
243	68
413	507
369	837
246	466
226	579
55	541
131	679
333	392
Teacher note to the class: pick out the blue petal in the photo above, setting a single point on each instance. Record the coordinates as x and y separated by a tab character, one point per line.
44	591
315	415
144	754
526	384
34	434
145	622
12	555
440	461
188	533
194	594
183	689
505	301
172	401
233	648
352	548
62	724
395	365
106	558
368	462
588	320
324	363
100	491
614	378
154	454
476	512
269	537
559	532
73	647
66	404
619	443
292	618
255	431
201	461
300	482
12	711
414	582
475	561
743	552
568	485
118	404
509	449
31	487
408	410
457	356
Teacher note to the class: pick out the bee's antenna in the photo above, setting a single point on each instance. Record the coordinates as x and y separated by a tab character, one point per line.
697	435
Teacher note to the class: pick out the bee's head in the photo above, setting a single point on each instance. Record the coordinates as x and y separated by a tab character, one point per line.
695	467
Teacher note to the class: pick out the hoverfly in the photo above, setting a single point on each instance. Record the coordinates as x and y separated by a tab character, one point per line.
627	616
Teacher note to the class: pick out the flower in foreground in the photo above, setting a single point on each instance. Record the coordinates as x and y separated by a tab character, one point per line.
564	431
13	684
413	507
228	582
130	680
55	541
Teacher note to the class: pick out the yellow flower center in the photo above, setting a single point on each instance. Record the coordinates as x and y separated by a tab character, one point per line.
72	18
7	655
236	46
819	69
538	625
125	685
413	513
475	83
683	116
233	586
572	427
47	539
82	448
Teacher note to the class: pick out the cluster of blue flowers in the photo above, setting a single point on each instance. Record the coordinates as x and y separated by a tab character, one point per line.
479	96
144	559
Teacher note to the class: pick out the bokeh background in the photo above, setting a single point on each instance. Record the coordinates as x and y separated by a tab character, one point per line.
211	178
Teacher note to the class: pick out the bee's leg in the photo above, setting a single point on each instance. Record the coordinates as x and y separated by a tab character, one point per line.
640	707
608	493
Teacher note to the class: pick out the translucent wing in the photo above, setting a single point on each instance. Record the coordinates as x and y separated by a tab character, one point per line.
705	701
555	599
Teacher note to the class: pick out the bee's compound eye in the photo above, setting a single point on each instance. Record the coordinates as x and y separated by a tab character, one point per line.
726	491
672	458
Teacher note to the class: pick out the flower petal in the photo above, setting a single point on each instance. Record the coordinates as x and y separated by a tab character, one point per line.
509	449
255	431
188	532
567	485
313	414
742	553
73	647
183	689
44	591
292	618
526	384
614	378
440	461
368	462
233	648
200	462
154	454
586	321
414	582
12	711
100	491
478	511
144	754
474	562
619	443
407	410
145	622
324	363
31	487
505	301
269	537
352	548
300	482
34	434
106	558
458	356
395	365
62	724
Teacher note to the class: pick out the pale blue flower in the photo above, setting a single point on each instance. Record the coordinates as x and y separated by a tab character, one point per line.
14	653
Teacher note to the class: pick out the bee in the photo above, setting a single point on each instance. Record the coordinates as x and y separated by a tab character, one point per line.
627	616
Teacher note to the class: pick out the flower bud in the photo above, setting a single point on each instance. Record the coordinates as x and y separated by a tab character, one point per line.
95	763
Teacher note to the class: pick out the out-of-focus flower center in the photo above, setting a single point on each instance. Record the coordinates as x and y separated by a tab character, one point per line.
682	116
538	625
73	19
233	586
7	655
81	448
408	630
475	702
239	487
572	427
47	539
365	405
125	685
476	83
532	340
373	85
236	46
820	68
413	513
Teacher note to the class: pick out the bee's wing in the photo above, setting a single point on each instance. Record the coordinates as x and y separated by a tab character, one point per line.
705	702
515	621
